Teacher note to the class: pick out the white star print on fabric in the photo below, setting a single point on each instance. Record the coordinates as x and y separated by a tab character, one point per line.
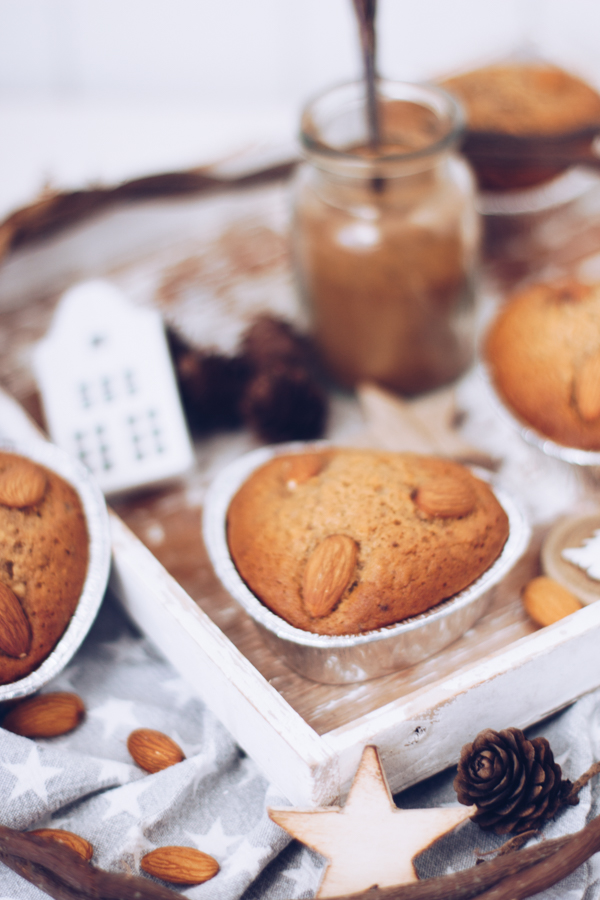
114	714
67	680
126	649
31	776
115	772
307	874
181	690
249	858
204	764
125	799
136	843
189	749
249	774
215	842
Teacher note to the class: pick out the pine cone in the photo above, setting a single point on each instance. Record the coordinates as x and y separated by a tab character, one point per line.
285	404
269	341
210	384
514	782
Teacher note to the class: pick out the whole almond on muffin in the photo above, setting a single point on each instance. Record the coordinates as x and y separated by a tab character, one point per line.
445	497
327	573
587	388
15	631
22	483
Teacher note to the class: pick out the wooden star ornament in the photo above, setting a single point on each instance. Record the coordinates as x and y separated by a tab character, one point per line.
369	841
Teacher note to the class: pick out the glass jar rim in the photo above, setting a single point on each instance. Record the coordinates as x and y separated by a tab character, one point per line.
430	96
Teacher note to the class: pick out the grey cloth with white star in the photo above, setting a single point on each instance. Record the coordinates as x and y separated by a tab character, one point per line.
216	799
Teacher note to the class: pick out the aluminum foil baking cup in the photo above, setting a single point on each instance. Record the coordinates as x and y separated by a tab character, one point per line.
574	455
341	659
96	516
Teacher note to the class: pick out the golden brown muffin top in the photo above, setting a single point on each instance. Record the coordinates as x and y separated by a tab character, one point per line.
543	354
345	541
525	99
43	562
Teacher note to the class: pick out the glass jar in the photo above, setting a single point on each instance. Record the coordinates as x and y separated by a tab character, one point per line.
385	239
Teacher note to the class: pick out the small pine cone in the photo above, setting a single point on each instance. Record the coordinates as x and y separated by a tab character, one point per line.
285	404
269	341
514	782
210	384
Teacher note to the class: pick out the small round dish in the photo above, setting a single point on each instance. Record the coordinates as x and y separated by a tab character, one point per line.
96	516
569	534
342	659
573	455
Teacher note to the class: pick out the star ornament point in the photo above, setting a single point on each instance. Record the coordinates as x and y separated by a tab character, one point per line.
369	841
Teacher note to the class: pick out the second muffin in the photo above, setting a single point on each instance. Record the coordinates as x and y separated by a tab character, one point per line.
543	354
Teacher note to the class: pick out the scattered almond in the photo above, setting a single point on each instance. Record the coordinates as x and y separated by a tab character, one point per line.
547	601
446	498
299	469
46	715
587	388
180	865
328	572
68	838
22	483
153	750
15	632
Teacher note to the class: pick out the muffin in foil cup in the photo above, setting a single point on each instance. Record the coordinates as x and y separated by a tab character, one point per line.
340	659
96	518
573	455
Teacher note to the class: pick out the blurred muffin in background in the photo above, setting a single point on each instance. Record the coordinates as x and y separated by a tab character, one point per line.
524	121
543	355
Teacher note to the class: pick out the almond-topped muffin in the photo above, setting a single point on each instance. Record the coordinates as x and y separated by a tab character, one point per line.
543	355
43	562
529	98
345	541
535	100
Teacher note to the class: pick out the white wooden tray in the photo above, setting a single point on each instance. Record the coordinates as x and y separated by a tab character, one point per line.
184	255
418	719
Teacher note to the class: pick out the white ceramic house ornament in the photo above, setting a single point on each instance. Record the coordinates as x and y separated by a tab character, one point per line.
109	390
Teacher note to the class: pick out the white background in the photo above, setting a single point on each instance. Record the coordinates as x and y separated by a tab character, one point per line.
105	89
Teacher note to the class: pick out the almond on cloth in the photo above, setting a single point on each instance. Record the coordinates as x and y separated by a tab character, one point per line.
180	865
68	838
153	750
546	601
45	715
